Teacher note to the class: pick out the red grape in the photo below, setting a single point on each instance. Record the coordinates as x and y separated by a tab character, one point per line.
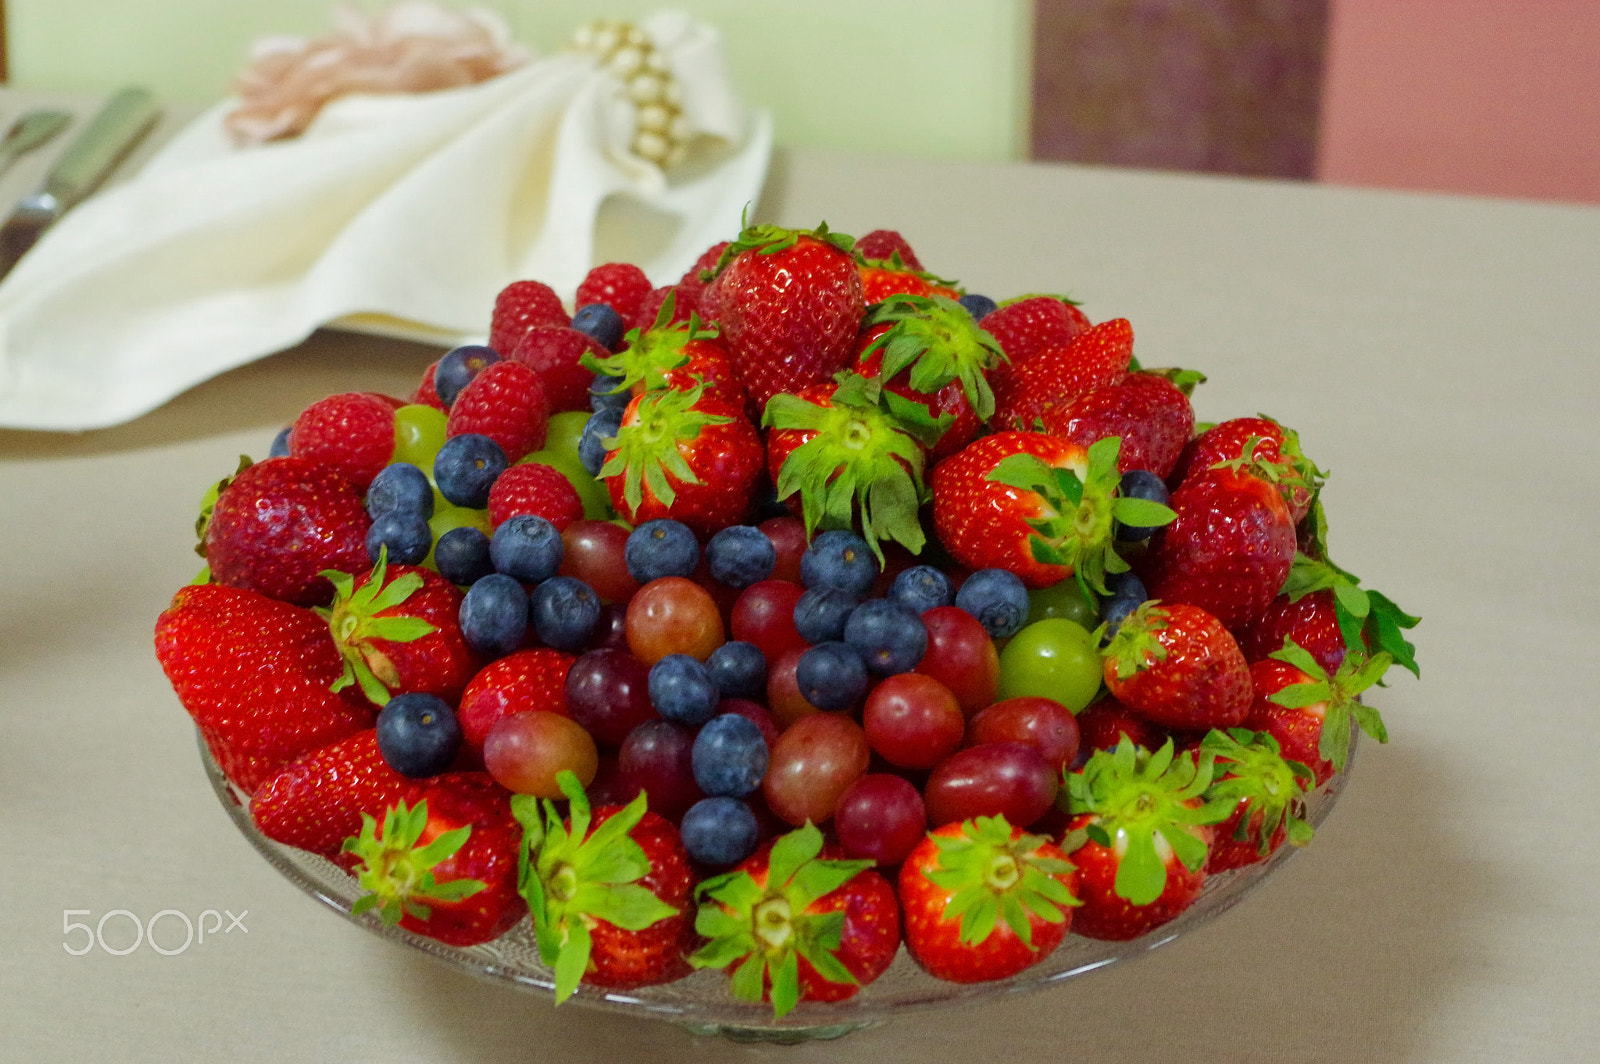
673	615
608	692
961	656
913	720
880	817
1012	779
783	690
1042	723
756	713
764	615
594	554
526	750
655	758
812	764
788	535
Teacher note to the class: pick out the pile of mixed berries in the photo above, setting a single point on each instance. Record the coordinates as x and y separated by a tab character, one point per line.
773	618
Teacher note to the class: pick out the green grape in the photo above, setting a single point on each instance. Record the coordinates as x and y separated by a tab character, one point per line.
446	516
1053	658
596	501
1063	599
418	435
566	429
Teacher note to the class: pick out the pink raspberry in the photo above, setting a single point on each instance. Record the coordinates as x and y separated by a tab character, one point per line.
505	402
519	307
620	285
556	353
426	394
650	309
880	245
690	286
537	489
352	432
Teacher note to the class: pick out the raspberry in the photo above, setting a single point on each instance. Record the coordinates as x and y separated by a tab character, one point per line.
352	432
620	285
556	353
519	307
881	245
538	489
690	287
505	402
650	309
426	394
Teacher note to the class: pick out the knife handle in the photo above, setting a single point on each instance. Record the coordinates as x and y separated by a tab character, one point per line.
109	136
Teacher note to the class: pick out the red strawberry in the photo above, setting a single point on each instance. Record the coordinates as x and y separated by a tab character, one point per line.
445	867
352	432
397	630
789	304
1102	725
1309	712
609	894
317	802
1024	327
538	489
621	286
1150	413
1230	548
793	924
983	900
1311	621
277	524
255	674
849	459
1277	450
688	290
557	354
1056	375
1267	794
523	680
1325	610
505	402
685	456
520	306
885	245
1177	665
1139	838
426	394
670	355
1042	507
886	278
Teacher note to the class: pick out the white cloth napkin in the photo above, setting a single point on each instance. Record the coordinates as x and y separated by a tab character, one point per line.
414	210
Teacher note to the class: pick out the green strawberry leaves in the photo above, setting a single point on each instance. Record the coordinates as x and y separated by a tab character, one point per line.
1339	692
768	239
646	451
397	873
649	353
1136	646
1252	769
1078	526
1365	617
994	877
571	878
936	338
1151	800
359	616
766	929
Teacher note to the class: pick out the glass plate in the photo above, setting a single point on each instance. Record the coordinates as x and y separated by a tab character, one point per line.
702	1002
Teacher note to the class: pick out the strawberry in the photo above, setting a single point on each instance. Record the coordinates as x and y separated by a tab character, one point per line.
669	355
505	402
1310	620
885	245
427	394
1139	837
883	279
1177	665
1056	375
853	454
445	867
983	900
689	288
1102	725
1268	796
792	924
255	674
683	455
789	303
557	354
519	307
1308	711
317	802
621	286
1326	611
1231	546
1042	507
352	432
1023	327
1276	449
538	489
397	629
1150	413
524	679
609	893
277	524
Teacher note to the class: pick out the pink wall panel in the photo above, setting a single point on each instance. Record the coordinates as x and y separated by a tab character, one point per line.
1496	97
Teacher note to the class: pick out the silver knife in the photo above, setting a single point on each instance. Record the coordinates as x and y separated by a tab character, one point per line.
119	125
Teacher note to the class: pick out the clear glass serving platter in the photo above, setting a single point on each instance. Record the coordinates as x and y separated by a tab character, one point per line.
702	1002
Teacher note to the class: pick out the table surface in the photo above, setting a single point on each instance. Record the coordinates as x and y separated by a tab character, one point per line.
1437	356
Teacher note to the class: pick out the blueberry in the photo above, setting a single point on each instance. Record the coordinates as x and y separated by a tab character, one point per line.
832	676
457	368
719	831
400	488
998	599
601	322
494	615
565	612
661	548
466	467
601	426
839	559
527	547
1114	612
604	393
1140	484
729	756
741	555
1126	585
681	689
821	613
418	734
979	307
739	670
280	443
889	637
921	588
407	537
462	555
